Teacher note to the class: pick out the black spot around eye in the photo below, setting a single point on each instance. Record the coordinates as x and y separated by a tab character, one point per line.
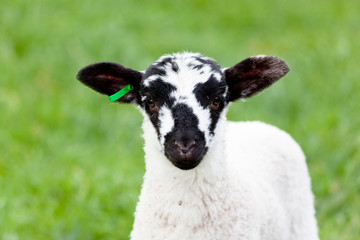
159	91
216	108
207	91
151	105
216	102
156	95
210	95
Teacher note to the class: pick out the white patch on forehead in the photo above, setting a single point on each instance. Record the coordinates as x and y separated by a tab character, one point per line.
187	72
166	122
150	79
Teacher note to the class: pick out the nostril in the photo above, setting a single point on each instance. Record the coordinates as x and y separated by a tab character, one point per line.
185	146
185	151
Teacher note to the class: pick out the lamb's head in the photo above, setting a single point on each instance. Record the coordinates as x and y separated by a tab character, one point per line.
184	96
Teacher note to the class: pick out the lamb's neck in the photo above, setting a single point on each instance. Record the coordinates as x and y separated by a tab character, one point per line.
173	198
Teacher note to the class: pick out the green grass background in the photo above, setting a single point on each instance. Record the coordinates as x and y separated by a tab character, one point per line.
71	163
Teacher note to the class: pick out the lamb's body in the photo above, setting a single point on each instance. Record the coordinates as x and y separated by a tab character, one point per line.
207	178
255	186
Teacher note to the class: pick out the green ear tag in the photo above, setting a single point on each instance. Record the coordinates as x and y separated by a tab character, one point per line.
121	93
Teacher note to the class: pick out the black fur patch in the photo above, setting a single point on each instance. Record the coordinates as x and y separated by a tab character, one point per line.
195	66
206	93
215	115
174	66
210	62
154	70
185	131
157	68
159	92
184	117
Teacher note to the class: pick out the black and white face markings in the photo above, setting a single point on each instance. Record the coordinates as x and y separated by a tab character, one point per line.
184	95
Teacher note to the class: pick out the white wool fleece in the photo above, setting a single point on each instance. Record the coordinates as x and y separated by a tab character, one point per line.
253	184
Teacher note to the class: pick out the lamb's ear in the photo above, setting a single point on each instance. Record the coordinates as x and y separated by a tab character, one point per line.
109	78
253	74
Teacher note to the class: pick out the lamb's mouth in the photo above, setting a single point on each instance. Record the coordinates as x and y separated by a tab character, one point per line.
186	161
186	165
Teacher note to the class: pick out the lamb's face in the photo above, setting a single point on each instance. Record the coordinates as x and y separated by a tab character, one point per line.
183	96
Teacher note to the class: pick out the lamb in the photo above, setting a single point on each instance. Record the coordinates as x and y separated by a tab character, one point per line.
208	178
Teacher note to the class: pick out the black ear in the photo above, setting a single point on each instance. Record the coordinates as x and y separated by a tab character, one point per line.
252	75
109	78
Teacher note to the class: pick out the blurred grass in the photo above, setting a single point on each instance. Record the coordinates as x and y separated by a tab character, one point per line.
71	164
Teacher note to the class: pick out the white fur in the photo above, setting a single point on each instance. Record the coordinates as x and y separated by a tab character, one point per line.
167	122
252	184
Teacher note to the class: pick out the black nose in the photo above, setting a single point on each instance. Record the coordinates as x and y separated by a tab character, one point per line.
185	145
185	149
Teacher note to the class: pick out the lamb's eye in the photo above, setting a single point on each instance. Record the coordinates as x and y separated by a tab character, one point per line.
150	104
216	102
